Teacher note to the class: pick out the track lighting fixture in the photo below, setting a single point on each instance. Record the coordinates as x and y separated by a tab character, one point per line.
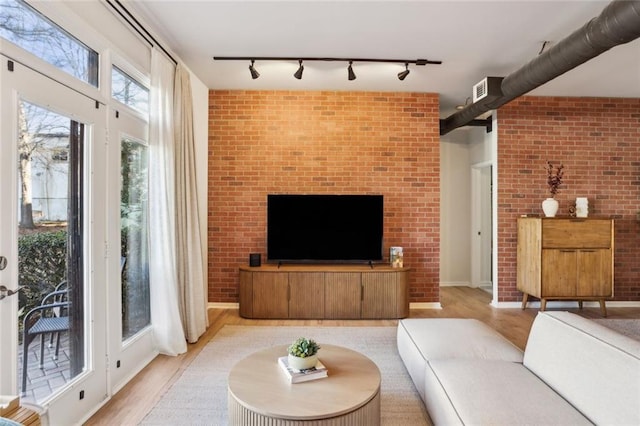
403	74
298	74
350	73
254	73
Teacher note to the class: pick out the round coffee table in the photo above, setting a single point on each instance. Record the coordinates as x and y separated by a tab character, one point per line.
260	392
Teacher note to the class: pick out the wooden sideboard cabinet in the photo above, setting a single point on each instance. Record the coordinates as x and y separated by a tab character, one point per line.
324	292
565	259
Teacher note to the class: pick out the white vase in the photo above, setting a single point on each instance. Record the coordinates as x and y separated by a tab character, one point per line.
302	363
582	207
550	207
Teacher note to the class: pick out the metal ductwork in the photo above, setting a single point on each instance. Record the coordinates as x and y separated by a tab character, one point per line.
618	23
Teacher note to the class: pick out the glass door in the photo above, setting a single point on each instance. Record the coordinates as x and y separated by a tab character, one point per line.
131	344
52	237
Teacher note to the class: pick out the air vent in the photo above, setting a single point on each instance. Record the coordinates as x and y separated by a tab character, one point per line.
480	90
490	86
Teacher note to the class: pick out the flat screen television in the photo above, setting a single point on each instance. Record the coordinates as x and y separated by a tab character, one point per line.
324	228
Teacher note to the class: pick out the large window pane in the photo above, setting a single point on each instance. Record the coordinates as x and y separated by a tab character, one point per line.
27	28
136	312
50	269
128	91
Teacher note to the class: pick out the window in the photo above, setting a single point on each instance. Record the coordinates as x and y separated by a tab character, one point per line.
128	91
50	241
24	26
136	313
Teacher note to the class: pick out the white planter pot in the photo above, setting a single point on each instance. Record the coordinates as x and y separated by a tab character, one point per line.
302	363
550	207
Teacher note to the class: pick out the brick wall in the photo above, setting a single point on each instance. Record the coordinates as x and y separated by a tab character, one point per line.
598	141
263	142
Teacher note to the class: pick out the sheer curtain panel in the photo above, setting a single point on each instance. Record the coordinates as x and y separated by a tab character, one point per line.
165	313
191	286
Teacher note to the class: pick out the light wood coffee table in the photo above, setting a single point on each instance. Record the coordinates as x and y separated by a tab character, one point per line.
260	393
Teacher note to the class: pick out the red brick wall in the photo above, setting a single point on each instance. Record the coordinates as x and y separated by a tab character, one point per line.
263	142
598	141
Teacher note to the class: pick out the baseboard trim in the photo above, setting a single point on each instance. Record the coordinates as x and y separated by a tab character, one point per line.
501	305
559	304
455	284
219	305
425	305
418	305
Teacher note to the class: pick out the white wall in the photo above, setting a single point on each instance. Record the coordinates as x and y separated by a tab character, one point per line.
455	209
480	146
200	94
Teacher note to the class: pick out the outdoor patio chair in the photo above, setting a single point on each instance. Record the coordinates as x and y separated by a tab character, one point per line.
58	295
51	317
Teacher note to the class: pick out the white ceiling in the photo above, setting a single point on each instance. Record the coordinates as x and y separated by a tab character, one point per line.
473	39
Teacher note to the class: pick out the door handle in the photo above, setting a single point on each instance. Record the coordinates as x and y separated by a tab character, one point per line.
5	292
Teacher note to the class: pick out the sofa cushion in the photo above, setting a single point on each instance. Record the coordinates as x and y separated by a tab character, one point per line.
492	392
439	338
594	368
423	339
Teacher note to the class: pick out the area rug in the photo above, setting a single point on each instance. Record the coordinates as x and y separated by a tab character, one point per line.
199	396
628	327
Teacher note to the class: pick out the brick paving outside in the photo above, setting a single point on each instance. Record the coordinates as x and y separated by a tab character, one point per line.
43	382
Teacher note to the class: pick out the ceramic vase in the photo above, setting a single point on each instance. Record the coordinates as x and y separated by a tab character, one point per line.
582	207
550	207
302	363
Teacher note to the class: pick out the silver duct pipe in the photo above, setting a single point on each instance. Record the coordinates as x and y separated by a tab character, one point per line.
618	23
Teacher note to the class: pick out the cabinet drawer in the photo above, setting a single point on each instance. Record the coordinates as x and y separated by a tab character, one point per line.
576	233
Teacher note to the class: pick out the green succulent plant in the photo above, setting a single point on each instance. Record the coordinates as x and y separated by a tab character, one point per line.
303	347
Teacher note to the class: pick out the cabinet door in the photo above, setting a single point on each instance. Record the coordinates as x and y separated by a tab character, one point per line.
246	294
342	294
379	295
270	295
306	295
559	272
595	273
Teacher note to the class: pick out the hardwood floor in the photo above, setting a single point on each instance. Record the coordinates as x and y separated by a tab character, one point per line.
137	398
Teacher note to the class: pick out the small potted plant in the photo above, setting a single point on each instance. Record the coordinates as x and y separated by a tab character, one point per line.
303	353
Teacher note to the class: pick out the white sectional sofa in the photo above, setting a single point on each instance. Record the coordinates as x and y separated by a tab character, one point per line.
573	371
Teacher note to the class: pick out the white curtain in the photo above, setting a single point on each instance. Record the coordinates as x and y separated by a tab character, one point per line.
191	286
165	313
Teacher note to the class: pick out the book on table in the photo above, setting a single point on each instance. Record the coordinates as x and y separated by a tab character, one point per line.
298	376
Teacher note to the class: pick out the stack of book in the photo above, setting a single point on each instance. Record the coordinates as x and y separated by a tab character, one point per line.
297	376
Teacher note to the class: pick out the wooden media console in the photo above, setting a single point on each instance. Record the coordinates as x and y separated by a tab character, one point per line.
324	292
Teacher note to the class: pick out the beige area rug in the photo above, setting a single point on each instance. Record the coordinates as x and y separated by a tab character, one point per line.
199	396
628	327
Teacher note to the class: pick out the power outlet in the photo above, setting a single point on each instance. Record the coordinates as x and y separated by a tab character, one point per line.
82	394
118	364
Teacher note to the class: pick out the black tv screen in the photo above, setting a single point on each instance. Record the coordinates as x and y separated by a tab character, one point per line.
324	228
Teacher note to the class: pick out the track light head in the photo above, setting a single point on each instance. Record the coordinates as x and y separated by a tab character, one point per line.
254	73
403	74
350	73
298	74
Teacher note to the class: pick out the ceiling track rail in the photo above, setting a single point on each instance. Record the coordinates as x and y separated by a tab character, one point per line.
326	59
133	22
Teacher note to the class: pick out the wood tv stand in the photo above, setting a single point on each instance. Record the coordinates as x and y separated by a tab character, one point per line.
324	292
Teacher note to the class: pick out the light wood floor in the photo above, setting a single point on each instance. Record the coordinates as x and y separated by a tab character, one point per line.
137	398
